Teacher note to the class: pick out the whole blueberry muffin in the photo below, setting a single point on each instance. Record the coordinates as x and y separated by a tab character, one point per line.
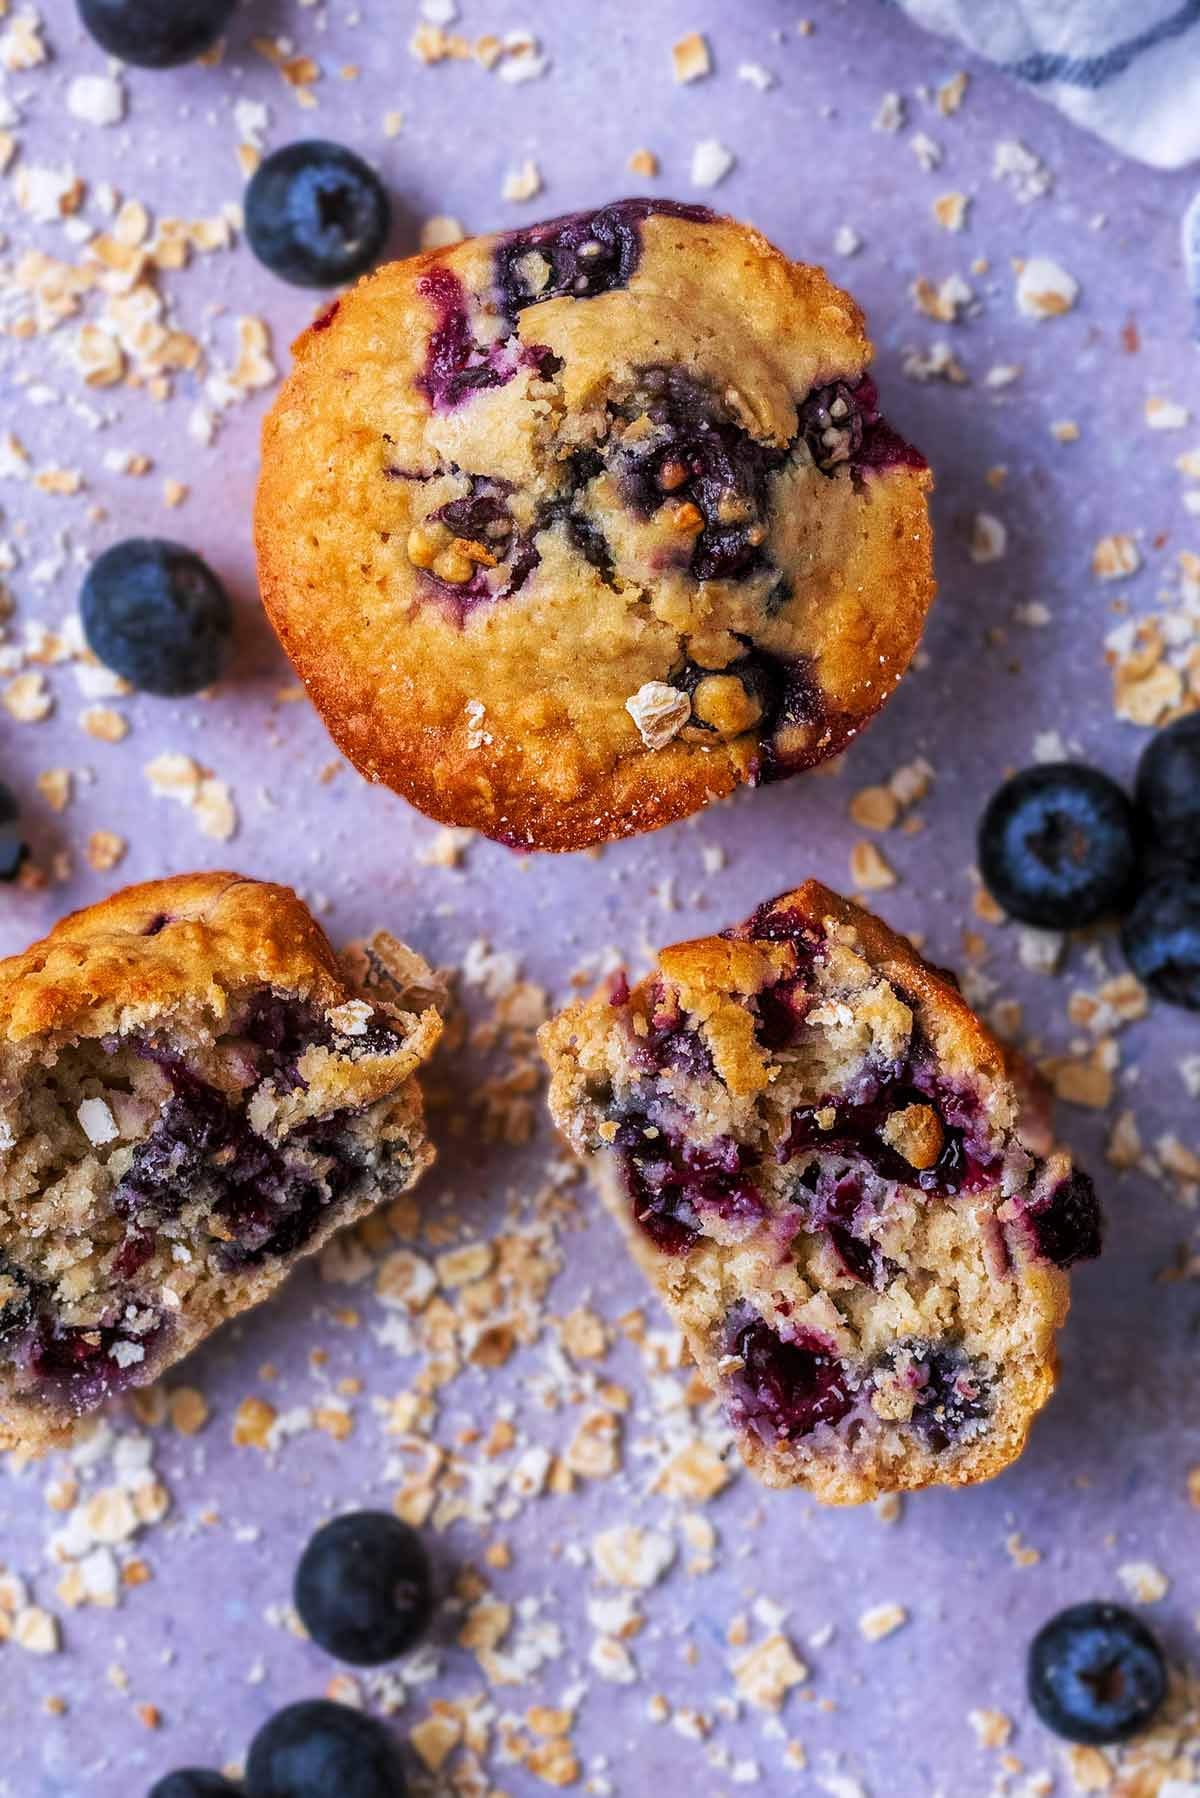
571	530
843	1188
191	1098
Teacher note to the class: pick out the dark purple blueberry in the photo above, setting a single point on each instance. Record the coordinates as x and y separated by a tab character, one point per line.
364	1588
81	1361
203	1142
841	423
839	1215
456	366
1057	846
157	615
137	1248
283	1028
156	34
700	453
856	1133
583	253
1167	791
785	1388
16	1300
798	704
13	850
1096	1674
1066	1221
316	214
768	924
1161	938
781	1011
672	1182
194	1782
950	1393
317	1749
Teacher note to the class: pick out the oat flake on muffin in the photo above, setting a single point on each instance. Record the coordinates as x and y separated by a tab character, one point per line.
572	529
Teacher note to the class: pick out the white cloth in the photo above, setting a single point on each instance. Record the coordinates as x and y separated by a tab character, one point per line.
1129	70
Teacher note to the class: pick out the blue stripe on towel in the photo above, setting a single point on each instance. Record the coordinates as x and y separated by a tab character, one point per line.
1097	71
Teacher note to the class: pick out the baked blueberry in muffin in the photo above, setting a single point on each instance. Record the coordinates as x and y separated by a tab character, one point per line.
842	1187
572	529
190	1099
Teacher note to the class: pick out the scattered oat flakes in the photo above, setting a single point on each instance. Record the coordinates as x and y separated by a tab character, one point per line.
690	57
96	99
105	725
523	183
1045	289
766	1675
1166	415
1144	1582
54	785
105	849
992	1728
1115	558
27	698
632	1557
870	870
989	538
36	1631
950	210
438	232
711	162
882	1620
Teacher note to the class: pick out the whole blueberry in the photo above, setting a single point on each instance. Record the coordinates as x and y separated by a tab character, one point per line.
156	614
318	1749
12	844
1057	846
316	214
1167	791
1161	938
156	34
364	1588
1096	1674
194	1782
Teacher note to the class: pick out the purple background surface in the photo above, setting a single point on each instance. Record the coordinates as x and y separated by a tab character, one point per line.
1104	1481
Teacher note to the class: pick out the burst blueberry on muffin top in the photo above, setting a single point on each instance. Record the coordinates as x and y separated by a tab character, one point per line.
843	1189
571	529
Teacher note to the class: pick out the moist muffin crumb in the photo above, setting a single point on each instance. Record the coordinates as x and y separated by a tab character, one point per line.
191	1098
843	1188
571	529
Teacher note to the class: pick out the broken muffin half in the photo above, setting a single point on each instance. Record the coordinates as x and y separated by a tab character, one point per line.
842	1186
191	1098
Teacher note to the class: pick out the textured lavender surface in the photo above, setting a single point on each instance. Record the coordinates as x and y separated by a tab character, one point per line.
1104	1482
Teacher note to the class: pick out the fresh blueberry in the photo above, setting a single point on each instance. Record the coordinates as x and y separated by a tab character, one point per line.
1057	846
318	1749
1161	938
12	847
316	214
156	34
1167	792
194	1782
1096	1674
364	1588
157	615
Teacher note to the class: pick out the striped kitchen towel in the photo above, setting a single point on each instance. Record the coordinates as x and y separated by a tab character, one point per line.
1129	70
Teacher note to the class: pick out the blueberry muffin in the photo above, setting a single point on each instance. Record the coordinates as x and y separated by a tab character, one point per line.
190	1099
842	1187
573	529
